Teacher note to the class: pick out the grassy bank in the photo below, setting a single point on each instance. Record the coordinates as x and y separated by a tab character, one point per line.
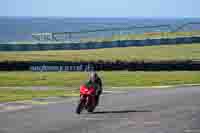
147	53
120	78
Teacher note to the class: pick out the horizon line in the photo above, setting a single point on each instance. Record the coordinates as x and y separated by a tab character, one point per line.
99	17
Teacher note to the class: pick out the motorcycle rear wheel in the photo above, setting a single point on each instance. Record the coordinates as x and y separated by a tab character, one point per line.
91	109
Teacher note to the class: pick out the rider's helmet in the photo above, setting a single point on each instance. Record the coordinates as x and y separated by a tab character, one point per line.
93	76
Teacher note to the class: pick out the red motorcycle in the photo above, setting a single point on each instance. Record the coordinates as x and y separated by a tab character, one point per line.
87	99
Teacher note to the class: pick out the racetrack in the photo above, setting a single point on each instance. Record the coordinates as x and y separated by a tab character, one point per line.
141	111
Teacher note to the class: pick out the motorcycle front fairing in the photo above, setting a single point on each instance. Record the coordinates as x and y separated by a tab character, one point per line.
87	95
87	91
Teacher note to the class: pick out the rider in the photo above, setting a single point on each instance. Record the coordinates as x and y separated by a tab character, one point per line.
96	82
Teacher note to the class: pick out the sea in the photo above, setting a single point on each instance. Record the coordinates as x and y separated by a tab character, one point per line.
13	29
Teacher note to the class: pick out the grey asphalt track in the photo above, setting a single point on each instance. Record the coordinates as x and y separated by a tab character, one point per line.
174	110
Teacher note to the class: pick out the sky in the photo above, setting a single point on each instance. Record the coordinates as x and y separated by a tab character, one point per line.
101	8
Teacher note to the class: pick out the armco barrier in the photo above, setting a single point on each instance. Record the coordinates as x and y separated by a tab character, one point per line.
97	45
100	65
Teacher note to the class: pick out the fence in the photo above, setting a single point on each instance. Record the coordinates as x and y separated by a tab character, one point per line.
126	33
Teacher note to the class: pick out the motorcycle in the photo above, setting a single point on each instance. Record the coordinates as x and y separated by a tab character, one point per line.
87	99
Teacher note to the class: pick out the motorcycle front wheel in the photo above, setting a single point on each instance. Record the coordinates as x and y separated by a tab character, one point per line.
79	108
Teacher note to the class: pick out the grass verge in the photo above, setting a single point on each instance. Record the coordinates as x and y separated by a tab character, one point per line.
7	95
74	79
115	78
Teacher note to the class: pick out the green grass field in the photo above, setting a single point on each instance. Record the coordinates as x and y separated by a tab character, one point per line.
147	53
113	78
